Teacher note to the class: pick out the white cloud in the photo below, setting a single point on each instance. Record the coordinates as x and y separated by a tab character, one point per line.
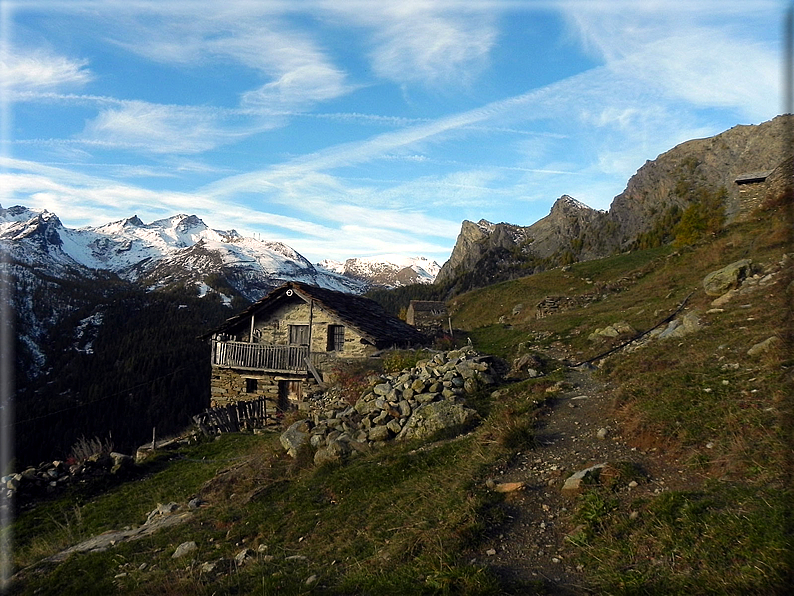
429	43
298	87
432	49
299	71
678	51
39	70
161	128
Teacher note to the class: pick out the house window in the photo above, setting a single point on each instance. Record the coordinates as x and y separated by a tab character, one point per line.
299	335
250	385
336	338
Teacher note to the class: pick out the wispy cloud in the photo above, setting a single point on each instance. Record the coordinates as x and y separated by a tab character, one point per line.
440	44
161	128
24	71
680	52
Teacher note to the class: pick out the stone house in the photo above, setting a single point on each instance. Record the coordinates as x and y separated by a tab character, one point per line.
283	346
427	315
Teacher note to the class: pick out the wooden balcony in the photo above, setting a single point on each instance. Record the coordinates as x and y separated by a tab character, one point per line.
261	357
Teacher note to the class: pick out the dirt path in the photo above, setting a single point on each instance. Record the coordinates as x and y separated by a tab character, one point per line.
532	545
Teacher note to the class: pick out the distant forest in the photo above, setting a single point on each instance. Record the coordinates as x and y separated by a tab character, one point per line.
148	369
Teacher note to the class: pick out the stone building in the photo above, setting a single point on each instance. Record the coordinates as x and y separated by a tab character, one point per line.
282	346
427	315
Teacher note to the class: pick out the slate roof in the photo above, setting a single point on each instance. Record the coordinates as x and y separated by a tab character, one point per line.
364	315
752	177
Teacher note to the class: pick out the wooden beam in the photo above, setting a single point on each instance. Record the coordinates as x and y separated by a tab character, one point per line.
313	370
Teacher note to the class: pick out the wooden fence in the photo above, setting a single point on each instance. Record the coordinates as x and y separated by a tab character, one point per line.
242	415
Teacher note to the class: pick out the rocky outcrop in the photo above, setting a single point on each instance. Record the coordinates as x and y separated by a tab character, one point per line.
574	232
710	163
474	241
413	404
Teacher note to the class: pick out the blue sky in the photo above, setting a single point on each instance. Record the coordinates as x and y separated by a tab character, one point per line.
357	127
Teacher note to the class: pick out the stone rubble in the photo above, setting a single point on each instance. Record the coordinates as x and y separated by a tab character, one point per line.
412	404
49	477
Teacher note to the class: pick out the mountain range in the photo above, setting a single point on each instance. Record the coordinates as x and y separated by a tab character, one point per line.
183	249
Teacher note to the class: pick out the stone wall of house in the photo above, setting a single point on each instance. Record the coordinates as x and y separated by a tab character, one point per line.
229	385
275	330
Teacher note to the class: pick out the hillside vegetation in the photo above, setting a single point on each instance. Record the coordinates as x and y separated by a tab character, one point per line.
419	518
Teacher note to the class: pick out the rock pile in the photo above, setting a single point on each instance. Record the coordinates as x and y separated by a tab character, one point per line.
412	404
48	477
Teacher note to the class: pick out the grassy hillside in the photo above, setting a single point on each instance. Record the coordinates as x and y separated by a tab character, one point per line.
416	518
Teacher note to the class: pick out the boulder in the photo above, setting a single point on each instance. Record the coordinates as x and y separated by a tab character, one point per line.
678	328
764	346
184	549
731	276
295	436
432	417
334	451
121	462
378	433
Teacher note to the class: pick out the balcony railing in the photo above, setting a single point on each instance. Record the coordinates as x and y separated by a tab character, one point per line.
267	357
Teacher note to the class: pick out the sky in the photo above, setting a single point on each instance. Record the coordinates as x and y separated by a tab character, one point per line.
351	128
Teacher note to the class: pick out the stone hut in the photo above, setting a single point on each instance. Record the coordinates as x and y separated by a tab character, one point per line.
429	316
282	346
752	188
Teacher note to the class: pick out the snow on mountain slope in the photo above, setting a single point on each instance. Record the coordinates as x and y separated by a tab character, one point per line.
385	270
177	249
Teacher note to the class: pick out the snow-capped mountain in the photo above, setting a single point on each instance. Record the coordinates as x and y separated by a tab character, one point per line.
180	249
385	270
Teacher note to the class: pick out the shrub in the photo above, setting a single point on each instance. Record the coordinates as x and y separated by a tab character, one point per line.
352	379
398	360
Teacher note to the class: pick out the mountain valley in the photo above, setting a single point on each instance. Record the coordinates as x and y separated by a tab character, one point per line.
670	395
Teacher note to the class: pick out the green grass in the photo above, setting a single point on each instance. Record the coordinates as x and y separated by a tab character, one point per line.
721	539
81	512
393	521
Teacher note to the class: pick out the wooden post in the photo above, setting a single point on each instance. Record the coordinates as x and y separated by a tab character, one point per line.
311	322
153	441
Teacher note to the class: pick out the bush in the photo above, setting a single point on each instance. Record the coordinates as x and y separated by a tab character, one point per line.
398	360
352	379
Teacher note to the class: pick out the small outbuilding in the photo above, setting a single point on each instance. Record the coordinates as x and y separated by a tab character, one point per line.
429	316
281	346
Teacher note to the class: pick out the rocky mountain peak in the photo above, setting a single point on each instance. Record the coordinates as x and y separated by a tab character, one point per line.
133	221
190	223
567	205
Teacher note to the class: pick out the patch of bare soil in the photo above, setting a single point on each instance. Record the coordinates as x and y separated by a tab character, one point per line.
532	545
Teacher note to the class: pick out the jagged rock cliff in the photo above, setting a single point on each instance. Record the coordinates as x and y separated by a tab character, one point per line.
712	163
485	252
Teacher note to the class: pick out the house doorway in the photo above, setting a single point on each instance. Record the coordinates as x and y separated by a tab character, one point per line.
289	392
